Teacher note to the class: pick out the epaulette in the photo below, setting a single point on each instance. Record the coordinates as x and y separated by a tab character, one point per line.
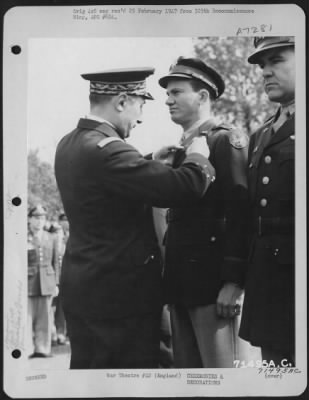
102	143
221	127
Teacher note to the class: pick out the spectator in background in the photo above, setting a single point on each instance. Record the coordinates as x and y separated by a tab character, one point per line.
43	266
59	330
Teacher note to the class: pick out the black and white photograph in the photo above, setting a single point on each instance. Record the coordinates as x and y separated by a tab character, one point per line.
154	201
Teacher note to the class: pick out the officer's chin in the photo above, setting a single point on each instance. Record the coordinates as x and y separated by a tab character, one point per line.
274	95
127	133
176	120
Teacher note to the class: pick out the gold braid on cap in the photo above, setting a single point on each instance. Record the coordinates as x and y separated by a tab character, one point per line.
137	88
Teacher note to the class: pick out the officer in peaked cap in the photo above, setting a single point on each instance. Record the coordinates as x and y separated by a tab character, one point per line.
43	270
264	43
195	69
114	81
111	272
129	84
268	319
206	244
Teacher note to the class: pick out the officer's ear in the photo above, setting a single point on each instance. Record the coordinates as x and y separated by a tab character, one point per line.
121	101
204	95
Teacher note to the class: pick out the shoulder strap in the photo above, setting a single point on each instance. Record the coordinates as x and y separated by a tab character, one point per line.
102	143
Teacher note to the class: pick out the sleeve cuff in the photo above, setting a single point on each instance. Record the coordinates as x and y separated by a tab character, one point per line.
234	270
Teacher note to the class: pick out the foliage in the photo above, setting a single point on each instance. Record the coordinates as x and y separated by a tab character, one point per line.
42	186
244	103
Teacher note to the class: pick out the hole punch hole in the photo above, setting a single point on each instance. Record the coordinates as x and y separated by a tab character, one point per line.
16	353
16	201
16	49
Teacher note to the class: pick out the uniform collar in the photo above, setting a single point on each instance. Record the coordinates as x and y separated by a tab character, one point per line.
288	109
194	126
99	119
105	128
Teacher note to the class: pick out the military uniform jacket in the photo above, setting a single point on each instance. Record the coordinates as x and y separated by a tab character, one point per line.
43	264
268	315
206	243
111	267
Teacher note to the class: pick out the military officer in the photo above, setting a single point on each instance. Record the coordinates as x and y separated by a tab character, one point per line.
206	243
268	315
43	267
111	273
59	332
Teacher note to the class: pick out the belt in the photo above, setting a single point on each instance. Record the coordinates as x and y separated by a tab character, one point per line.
267	225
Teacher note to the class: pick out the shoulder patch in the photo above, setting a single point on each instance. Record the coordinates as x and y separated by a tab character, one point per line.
238	140
102	143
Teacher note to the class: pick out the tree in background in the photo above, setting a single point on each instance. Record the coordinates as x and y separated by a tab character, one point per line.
42	187
244	102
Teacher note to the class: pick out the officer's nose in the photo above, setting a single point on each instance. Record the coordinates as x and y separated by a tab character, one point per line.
139	121
267	71
169	101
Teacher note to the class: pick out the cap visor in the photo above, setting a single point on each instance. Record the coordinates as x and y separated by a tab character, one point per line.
148	96
255	57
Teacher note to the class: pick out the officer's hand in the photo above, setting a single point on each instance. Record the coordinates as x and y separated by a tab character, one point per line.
166	153
229	300
198	145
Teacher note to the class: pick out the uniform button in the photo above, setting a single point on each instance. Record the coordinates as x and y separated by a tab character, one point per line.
263	202
265	180
276	251
250	165
267	159
213	239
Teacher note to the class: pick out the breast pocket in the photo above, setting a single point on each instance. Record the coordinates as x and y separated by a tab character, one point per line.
50	271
